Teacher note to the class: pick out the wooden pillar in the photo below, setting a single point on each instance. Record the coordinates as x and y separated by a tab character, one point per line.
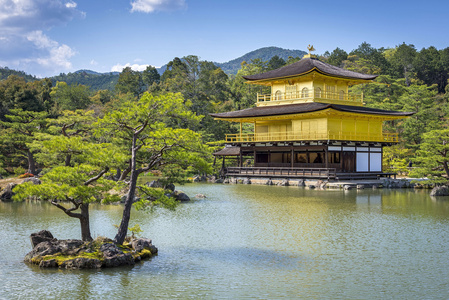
240	159
292	157
326	155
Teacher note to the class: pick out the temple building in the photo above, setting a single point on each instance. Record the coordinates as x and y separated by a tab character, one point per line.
309	126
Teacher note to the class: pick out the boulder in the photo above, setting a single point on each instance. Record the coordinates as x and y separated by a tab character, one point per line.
41	236
246	181
440	191
219	180
284	183
200	196
170	187
7	193
360	186
142	243
269	182
346	187
114	257
154	184
77	263
180	196
34	180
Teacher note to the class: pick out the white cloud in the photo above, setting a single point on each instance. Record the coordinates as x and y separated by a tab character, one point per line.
53	55
135	67
24	45
149	6
93	62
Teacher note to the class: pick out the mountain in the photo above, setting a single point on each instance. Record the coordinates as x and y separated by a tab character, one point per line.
96	81
5	72
265	54
107	81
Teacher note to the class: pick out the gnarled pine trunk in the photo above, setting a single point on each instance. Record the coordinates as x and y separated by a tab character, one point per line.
84	221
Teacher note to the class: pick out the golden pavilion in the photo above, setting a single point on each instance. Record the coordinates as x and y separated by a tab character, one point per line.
309	126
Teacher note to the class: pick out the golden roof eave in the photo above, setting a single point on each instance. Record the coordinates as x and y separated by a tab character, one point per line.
329	112
267	82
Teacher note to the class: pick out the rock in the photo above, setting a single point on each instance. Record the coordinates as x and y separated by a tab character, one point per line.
170	187
107	254
440	191
180	196
284	183
154	184
346	187
34	180
360	186
246	181
311	186
51	263
142	243
41	236
7	193
219	180
200	196
269	182
301	182
80	263
114	257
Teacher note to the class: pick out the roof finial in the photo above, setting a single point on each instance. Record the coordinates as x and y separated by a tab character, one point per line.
310	48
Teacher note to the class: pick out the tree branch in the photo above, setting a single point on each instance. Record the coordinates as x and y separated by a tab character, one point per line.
67	211
96	177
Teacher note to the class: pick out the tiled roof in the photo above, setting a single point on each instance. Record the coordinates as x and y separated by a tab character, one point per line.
307	65
299	108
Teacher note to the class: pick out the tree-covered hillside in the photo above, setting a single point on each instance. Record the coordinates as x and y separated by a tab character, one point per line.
5	72
96	81
265	54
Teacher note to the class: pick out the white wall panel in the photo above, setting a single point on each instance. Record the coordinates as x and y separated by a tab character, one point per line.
362	162
375	162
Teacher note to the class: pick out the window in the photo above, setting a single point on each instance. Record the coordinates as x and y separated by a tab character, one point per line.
290	91
301	157
341	95
317	92
334	157
280	157
316	157
330	92
305	93
262	157
278	95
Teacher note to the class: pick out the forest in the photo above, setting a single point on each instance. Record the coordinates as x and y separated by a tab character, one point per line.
46	123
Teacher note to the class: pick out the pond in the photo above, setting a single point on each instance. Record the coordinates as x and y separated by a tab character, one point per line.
248	241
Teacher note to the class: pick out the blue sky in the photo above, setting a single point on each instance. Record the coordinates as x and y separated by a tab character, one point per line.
48	37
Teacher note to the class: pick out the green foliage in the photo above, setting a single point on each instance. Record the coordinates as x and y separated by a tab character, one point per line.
69	184
432	157
154	197
95	81
396	159
70	97
129	81
135	231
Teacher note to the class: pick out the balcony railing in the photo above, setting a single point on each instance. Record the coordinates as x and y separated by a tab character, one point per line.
311	95
311	136
282	172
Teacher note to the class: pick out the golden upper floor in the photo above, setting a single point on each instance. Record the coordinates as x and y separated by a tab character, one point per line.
309	80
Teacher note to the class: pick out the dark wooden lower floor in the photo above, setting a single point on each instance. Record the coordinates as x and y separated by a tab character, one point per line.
303	173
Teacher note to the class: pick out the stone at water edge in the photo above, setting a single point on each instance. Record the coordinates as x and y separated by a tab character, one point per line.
440	191
200	196
7	193
41	236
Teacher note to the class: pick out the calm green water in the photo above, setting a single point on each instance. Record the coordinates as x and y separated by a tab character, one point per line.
250	242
